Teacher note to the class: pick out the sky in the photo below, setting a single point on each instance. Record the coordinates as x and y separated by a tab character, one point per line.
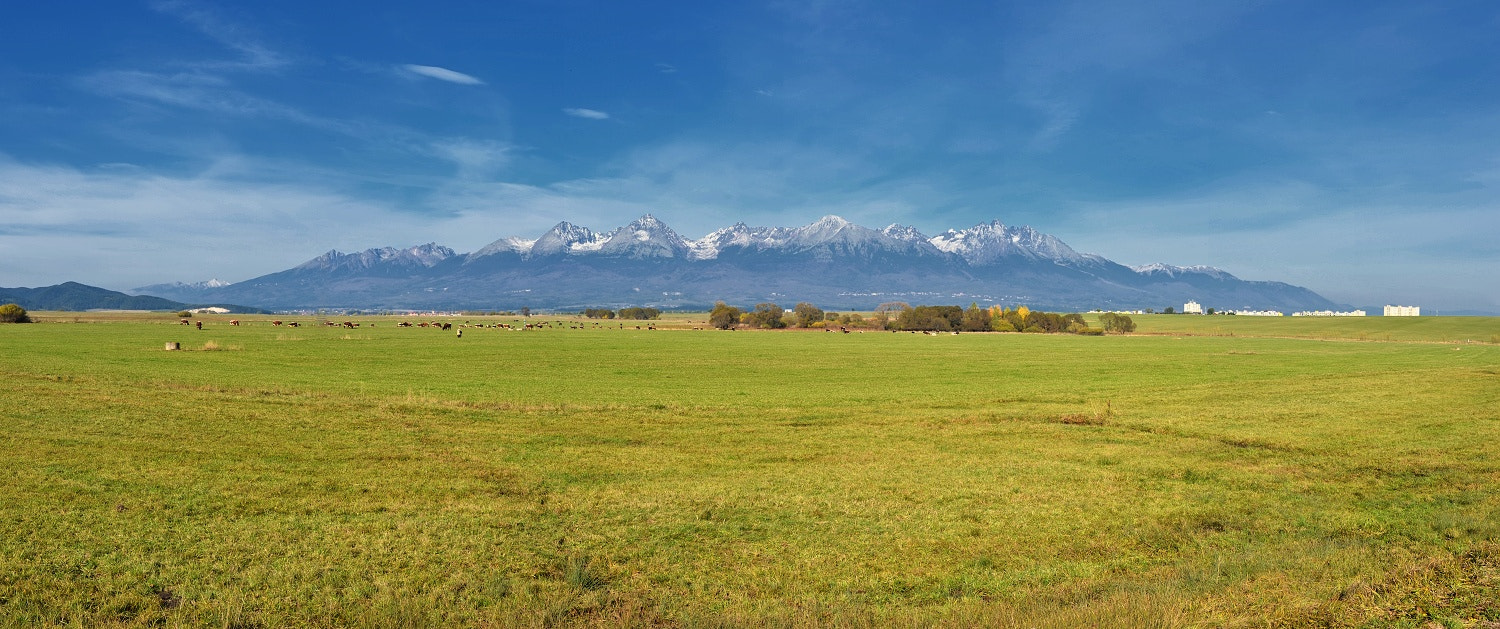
1348	147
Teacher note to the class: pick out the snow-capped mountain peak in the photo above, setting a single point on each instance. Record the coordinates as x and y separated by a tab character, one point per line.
1159	269
511	244
738	236
905	233
990	243
427	255
646	237
563	238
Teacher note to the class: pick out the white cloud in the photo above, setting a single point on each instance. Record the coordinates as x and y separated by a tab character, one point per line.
474	158
591	114
192	90
442	74
122	227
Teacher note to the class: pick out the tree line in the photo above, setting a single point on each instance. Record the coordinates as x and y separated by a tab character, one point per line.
905	317
642	314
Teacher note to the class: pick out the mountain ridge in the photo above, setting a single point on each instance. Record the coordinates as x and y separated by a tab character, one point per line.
831	261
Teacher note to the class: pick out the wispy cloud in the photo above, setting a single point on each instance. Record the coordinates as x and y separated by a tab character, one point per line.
192	90
591	114
474	158
255	55
666	68
442	74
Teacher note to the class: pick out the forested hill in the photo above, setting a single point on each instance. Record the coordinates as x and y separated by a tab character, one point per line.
75	296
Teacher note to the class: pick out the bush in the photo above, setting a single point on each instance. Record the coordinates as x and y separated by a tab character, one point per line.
13	313
184	314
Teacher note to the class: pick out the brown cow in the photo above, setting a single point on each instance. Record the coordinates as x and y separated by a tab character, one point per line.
234	322
276	323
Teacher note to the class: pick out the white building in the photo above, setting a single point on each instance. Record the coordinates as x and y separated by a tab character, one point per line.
1192	307
1256	313
1403	311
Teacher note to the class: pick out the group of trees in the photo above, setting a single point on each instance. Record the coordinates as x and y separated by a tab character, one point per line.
1114	322
624	313
772	316
14	313
902	316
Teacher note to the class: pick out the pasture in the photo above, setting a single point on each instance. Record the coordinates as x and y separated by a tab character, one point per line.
1207	471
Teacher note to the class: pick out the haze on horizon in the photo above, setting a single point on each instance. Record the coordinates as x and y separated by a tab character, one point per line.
1345	147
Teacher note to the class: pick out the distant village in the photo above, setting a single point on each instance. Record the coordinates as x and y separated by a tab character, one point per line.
1193	307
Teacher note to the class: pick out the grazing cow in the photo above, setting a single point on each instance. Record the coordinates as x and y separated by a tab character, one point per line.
350	325
295	324
185	322
234	322
447	326
404	324
200	325
278	323
460	333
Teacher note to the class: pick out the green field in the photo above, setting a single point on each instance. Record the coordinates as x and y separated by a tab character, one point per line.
1206	471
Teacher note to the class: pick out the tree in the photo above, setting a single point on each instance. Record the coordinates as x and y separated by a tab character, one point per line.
765	315
1210	311
526	311
885	311
1169	310
975	320
13	313
724	316
806	314
1117	323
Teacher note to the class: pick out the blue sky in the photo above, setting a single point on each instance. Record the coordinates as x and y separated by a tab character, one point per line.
1347	147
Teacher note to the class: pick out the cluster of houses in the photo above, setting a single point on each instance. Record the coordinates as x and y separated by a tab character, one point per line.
1193	307
1329	313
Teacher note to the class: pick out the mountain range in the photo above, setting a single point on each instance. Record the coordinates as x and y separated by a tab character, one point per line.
832	263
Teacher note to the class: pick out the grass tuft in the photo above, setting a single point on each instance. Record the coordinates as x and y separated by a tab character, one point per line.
585	572
1098	417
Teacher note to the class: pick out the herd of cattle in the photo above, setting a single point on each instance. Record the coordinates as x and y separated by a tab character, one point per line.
444	325
438	325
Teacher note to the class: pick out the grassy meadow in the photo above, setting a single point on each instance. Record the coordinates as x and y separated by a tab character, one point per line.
1204	472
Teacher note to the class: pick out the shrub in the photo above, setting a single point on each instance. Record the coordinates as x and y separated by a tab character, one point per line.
13	313
184	314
